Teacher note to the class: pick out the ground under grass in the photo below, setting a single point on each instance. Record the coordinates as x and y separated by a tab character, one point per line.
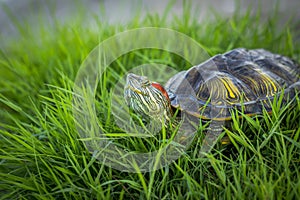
42	156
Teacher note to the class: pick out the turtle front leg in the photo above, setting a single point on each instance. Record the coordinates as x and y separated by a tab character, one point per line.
211	137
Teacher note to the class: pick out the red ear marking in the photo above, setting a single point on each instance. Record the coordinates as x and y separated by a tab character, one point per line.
161	88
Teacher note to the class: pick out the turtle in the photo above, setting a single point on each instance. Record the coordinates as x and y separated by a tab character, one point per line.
244	79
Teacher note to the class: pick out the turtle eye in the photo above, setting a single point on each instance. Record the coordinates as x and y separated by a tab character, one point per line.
145	82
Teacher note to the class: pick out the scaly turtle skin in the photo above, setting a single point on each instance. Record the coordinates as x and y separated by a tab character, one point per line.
240	79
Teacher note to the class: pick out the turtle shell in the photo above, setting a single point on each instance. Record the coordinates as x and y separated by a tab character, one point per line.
247	80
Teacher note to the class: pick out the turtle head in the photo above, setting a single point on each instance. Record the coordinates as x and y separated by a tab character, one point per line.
147	99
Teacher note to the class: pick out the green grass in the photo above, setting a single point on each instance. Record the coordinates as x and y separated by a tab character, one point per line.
42	156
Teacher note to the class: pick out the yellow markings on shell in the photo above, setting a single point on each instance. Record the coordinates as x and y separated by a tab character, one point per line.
272	83
230	87
268	81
